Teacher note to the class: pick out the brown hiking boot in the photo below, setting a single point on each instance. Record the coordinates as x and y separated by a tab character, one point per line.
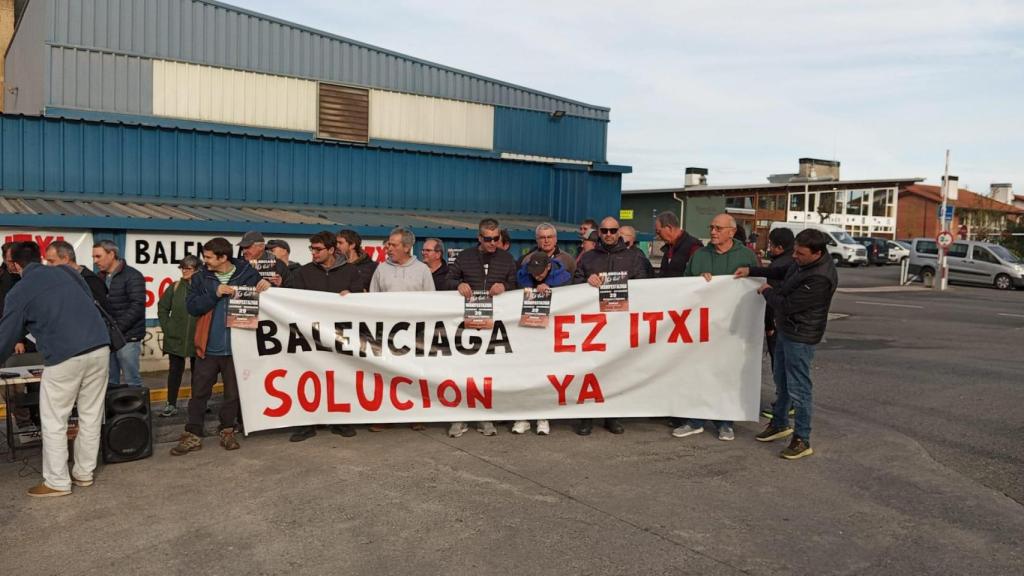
188	442
228	440
798	448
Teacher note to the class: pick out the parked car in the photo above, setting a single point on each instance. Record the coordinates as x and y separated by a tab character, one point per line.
898	251
970	262
841	246
877	248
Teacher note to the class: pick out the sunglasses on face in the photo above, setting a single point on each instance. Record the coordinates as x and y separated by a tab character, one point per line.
609	230
490	238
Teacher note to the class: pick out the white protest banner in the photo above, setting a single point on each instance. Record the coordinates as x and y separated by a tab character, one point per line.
686	348
80	239
157	255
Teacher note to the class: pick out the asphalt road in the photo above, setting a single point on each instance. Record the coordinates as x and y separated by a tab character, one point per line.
917	470
944	368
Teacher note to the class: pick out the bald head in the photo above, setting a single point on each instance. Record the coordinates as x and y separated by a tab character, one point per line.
609	231
723	228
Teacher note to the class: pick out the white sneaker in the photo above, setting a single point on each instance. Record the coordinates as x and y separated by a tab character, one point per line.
521	426
726	433
457	429
543	428
686	430
487	428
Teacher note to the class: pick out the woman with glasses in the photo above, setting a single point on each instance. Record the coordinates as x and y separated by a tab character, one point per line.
179	328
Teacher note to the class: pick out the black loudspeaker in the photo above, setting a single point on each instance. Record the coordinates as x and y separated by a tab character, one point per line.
128	426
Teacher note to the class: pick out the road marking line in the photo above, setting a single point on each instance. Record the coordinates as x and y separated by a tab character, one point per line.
887	304
1011	315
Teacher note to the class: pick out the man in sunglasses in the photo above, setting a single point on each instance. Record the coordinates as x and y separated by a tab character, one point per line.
722	256
610	255
485	268
326	273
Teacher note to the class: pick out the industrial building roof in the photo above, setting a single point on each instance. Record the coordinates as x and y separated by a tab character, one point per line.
223	217
783	186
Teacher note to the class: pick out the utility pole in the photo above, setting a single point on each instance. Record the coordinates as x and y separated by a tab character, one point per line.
942	277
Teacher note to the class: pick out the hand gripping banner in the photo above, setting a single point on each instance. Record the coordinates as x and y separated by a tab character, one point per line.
684	347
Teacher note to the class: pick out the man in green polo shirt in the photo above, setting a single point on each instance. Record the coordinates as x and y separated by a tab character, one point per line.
722	256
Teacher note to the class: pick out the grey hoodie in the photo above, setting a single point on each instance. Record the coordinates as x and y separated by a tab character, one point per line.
413	276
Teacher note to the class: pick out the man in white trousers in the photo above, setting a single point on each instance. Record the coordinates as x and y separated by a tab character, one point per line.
54	304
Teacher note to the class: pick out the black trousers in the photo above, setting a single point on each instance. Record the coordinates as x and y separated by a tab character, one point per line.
770	342
204	376
174	375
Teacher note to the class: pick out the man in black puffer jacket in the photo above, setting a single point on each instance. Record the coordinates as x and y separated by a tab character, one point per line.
801	306
485	267
126	303
610	255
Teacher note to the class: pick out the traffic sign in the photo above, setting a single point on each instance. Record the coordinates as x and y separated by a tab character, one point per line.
949	212
944	239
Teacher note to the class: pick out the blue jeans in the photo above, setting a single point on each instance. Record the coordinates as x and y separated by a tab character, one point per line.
792	374
126	359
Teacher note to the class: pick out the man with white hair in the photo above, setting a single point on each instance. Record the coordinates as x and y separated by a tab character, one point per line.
547	242
628	234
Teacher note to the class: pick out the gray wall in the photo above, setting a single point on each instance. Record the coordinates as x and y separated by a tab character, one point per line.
210	33
24	68
99	81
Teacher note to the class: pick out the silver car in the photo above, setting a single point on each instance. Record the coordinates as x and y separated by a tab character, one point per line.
970	262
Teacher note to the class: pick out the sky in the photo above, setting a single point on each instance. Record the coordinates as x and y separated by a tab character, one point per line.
742	88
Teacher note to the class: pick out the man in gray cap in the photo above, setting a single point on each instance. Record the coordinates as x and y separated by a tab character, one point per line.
283	252
254	250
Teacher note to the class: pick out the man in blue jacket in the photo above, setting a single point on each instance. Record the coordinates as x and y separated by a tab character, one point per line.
126	303
213	285
54	304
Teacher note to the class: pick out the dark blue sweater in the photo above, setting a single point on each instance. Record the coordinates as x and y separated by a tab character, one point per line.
57	309
203	298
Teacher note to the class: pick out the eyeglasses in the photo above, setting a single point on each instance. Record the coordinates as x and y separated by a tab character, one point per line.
550	237
184	268
609	230
490	238
714	228
315	249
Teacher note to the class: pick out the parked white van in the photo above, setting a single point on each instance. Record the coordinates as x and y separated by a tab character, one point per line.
841	246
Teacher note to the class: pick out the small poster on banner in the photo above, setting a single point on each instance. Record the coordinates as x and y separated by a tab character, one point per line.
266	267
244	308
536	309
479	311
613	296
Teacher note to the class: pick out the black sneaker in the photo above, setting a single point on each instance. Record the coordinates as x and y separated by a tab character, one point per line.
798	448
772	433
767	413
304	433
614	426
584	427
345	430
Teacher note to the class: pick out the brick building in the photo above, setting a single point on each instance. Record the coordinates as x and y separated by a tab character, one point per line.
982	216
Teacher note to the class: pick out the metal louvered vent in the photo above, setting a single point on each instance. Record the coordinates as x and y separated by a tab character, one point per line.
344	113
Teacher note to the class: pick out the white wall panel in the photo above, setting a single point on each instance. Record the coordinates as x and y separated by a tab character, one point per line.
426	120
208	94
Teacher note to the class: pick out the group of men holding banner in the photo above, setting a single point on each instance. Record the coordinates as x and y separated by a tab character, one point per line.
799	295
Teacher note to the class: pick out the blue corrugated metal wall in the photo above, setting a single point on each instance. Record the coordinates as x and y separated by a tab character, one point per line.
529	132
61	156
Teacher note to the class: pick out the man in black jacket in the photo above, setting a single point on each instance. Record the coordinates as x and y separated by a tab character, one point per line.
488	268
270	267
126	303
780	249
801	306
679	245
350	248
435	258
610	255
325	273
